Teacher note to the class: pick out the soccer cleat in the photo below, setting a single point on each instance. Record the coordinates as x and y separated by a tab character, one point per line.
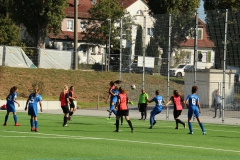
140	119
132	131
121	123
32	129
150	127
36	130
65	125
204	133
108	118
214	117
5	124
176	128
190	133
17	124
131	103
154	122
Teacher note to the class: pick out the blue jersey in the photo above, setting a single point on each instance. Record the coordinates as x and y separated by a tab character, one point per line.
114	97
11	98
193	100
158	100
32	104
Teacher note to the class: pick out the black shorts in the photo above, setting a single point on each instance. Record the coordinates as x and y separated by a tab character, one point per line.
65	109
176	113
72	105
122	112
142	107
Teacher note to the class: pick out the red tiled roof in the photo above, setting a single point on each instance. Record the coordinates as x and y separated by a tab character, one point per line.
202	43
85	5
66	35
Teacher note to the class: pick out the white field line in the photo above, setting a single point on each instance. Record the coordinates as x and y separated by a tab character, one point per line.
57	136
180	127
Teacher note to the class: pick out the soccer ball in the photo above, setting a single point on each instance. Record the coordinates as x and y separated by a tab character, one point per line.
133	86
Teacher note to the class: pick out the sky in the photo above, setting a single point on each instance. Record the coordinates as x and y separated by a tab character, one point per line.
201	11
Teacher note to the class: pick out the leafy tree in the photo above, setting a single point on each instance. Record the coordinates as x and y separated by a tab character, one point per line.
9	31
215	23
40	17
152	48
182	21
105	15
139	42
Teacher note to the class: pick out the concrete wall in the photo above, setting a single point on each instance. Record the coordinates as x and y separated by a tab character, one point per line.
208	81
46	105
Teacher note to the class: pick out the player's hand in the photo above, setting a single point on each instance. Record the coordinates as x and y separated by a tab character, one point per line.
18	105
25	108
41	109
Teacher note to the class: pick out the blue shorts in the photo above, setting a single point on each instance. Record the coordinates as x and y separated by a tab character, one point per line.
32	111
11	108
193	110
156	111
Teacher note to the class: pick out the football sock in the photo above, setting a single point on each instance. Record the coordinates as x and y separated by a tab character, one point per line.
130	124
36	124
121	119
65	120
145	114
117	125
190	126
141	115
31	123
15	118
6	119
176	123
114	111
202	127
179	121
151	121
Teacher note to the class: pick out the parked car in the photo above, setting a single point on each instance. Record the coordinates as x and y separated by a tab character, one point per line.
179	70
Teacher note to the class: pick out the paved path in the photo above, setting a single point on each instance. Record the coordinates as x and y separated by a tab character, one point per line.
134	114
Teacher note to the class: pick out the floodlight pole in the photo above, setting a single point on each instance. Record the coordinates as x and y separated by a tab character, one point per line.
109	42
224	64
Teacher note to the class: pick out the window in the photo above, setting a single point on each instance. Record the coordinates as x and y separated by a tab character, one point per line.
69	25
139	12
150	31
82	25
84	53
200	31
200	56
209	57
192	33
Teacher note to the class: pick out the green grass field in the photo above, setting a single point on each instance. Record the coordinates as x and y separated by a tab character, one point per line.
93	138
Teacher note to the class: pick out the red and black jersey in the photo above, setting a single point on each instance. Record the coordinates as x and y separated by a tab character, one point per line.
177	101
123	101
63	98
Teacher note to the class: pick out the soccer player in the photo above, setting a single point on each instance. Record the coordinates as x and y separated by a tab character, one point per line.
64	98
72	97
217	103
194	109
142	104
112	95
32	101
177	101
123	109
11	100
159	100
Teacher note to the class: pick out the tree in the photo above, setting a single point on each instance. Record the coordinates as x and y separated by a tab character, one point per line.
9	31
215	24
182	12
40	17
139	42
105	15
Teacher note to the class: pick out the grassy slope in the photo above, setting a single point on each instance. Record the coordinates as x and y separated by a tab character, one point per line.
88	84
